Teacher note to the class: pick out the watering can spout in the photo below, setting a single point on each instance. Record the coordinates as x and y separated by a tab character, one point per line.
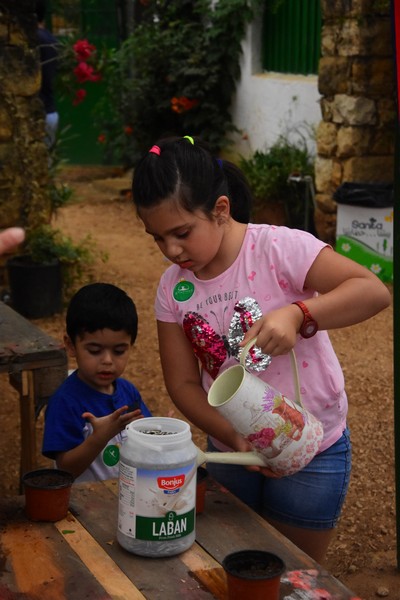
231	458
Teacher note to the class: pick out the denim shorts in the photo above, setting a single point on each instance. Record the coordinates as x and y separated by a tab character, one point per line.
311	498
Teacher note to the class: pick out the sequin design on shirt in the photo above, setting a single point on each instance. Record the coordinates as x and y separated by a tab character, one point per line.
212	348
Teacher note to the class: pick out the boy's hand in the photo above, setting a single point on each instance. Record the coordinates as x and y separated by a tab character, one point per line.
107	427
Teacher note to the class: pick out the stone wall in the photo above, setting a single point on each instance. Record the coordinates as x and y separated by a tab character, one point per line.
24	198
356	137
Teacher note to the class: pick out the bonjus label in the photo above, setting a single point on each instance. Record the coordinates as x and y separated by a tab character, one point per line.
171	484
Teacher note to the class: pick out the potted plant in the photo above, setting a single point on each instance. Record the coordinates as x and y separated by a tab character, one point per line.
50	263
271	175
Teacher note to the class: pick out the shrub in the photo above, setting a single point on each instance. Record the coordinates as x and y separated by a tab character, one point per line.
283	174
175	74
268	171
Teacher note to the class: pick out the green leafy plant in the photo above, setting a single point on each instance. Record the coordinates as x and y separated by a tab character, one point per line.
44	244
268	171
268	174
60	192
175	74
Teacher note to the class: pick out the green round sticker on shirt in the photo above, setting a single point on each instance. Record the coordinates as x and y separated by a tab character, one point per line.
183	291
111	455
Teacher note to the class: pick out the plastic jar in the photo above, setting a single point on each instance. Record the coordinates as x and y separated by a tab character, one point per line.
157	488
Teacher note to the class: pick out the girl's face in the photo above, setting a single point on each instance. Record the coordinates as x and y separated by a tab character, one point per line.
191	240
101	357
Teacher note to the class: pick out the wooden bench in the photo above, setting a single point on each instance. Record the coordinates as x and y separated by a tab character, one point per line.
36	364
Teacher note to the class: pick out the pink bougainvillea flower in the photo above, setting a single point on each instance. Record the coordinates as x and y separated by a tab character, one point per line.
83	50
80	95
128	130
182	104
101	138
84	72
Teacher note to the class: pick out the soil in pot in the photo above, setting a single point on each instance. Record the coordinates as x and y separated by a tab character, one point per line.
253	574
47	494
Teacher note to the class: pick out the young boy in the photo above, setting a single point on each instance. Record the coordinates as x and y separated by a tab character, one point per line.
86	417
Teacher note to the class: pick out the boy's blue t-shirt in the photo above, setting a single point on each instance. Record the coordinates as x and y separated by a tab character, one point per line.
65	428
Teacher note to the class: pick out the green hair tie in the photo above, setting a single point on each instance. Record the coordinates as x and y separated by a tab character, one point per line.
188	137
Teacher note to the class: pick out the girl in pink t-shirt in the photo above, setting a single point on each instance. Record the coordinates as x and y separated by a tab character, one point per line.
232	281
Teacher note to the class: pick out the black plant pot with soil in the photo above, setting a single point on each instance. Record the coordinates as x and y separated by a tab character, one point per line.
35	288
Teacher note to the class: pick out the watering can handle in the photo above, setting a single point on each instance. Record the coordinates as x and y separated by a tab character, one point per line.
293	363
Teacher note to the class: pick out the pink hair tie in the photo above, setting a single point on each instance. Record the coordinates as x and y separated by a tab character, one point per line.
155	150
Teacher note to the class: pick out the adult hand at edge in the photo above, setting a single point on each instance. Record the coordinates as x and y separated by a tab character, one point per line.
11	237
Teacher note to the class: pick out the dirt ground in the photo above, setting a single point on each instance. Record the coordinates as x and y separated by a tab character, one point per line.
363	553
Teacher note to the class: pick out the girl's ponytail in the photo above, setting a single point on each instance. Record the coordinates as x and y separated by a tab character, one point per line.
240	195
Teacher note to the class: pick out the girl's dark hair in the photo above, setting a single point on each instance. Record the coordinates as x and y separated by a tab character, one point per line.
193	176
101	306
40	9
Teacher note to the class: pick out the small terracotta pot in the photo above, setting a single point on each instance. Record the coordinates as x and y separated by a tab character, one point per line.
201	489
47	493
253	574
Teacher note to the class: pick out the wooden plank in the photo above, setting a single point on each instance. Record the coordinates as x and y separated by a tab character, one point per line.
21	341
97	561
242	528
167	578
206	570
36	563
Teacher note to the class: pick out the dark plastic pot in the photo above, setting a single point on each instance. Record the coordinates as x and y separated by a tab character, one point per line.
201	489
35	288
47	493
253	574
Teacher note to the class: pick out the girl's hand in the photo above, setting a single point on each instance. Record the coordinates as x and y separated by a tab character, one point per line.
276	332
105	428
242	445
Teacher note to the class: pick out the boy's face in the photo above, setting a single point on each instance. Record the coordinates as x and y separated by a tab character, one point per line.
101	357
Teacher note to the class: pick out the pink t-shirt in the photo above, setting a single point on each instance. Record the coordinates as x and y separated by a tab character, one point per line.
268	273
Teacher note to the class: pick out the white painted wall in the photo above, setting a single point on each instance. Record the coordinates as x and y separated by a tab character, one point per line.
269	105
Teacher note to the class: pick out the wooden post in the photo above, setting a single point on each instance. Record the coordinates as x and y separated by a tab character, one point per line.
396	273
28	422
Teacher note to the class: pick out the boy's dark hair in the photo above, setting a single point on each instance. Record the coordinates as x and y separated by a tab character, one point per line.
193	176
101	306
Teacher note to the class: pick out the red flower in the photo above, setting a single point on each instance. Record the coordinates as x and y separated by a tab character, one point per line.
128	130
101	138
182	104
83	50
84	72
80	95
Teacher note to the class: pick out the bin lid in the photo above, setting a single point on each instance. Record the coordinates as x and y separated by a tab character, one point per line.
370	195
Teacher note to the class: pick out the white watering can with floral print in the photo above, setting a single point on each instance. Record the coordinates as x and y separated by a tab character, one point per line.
285	434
